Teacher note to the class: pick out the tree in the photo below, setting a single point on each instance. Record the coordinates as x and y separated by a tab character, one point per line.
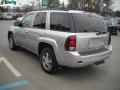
53	3
107	10
63	5
117	13
17	9
73	4
2	2
27	8
1	9
102	7
86	5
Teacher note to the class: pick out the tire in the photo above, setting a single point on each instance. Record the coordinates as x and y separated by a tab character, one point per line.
12	44
116	33
48	60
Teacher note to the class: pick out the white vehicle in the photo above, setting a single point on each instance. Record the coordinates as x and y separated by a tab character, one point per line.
7	16
62	38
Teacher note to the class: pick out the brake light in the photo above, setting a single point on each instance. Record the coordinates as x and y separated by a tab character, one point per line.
109	40
70	44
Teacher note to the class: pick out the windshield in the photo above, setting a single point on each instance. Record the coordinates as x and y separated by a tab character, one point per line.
89	23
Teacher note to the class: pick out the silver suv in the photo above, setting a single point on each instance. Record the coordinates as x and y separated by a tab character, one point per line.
62	38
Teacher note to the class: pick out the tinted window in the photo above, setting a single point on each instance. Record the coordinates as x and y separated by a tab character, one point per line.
59	21
27	20
40	20
89	23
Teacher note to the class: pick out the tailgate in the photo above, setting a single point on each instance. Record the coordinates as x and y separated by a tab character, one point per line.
89	42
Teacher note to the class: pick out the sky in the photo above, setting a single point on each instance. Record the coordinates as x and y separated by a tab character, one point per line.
116	5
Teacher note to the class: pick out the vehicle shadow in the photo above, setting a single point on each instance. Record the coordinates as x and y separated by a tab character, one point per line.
88	72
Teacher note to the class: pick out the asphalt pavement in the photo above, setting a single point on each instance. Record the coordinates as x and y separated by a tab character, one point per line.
20	70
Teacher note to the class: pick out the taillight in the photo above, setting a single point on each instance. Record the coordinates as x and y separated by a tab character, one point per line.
109	40
70	44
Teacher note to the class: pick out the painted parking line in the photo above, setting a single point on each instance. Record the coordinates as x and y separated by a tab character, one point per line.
14	85
10	66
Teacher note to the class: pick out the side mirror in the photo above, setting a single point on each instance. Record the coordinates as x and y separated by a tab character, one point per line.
17	23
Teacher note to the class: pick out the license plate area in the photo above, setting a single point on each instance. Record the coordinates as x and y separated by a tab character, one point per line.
96	43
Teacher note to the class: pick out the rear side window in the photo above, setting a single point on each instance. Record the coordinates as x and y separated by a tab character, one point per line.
59	21
40	20
89	23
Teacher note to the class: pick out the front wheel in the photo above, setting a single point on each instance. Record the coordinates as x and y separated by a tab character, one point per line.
116	32
48	60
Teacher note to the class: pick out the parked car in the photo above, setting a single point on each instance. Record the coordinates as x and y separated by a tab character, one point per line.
7	16
62	38
1	16
14	15
18	15
119	24
112	24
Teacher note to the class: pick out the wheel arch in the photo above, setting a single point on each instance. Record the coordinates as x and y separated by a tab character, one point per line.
42	45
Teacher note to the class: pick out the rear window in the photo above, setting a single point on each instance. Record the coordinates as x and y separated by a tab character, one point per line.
88	23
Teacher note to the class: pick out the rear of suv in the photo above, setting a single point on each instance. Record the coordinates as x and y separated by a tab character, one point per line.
62	38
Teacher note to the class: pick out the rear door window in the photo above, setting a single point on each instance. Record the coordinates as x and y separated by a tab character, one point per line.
88	23
40	20
60	21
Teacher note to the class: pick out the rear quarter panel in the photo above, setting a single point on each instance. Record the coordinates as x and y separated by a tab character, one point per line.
57	40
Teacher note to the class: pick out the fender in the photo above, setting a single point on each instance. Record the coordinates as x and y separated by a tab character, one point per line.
49	41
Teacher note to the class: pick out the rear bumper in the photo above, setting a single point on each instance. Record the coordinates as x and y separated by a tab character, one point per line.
75	60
